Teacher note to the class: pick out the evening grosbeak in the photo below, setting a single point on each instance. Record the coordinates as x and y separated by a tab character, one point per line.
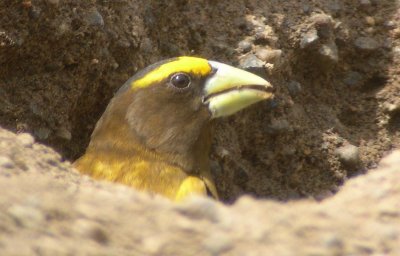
156	132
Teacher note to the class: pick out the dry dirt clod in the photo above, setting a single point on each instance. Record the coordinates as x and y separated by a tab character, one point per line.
349	155
268	55
250	61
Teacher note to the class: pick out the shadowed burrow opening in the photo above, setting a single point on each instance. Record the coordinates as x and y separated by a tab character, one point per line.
328	61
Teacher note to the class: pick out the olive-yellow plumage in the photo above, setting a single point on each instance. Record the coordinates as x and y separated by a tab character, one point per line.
156	133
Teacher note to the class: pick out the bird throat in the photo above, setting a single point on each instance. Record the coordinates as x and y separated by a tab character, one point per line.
183	139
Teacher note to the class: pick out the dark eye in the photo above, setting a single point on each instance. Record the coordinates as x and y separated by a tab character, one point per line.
180	80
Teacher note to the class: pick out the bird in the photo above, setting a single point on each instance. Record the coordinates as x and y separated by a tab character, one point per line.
156	133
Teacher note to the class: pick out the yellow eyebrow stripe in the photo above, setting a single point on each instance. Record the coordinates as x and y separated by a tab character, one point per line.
192	65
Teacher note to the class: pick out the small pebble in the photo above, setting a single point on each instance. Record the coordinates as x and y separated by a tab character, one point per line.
64	133
366	43
250	61
349	155
269	56
370	20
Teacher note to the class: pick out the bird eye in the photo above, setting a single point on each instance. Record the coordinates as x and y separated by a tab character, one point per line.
180	80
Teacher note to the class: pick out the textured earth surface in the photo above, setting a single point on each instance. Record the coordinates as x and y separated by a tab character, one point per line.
335	66
47	208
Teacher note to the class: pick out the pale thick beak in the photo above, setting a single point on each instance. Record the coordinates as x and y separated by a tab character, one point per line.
231	89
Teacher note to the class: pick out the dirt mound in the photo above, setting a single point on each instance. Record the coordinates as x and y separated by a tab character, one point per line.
335	66
46	208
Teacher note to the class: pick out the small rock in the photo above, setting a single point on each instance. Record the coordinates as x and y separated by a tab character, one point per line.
244	46
349	155
309	39
42	133
94	18
366	43
329	51
370	20
269	56
250	61
64	133
352	78
294	88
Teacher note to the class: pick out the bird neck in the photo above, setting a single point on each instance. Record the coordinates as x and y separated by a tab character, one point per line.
185	143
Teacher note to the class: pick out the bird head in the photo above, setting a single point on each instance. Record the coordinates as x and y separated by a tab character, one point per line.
169	106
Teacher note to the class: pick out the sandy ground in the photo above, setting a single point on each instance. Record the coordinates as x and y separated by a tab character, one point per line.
47	208
310	157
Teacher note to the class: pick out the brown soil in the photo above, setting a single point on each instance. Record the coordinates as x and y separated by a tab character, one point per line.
336	74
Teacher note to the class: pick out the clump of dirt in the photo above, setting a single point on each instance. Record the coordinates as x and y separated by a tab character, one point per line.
68	214
334	65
